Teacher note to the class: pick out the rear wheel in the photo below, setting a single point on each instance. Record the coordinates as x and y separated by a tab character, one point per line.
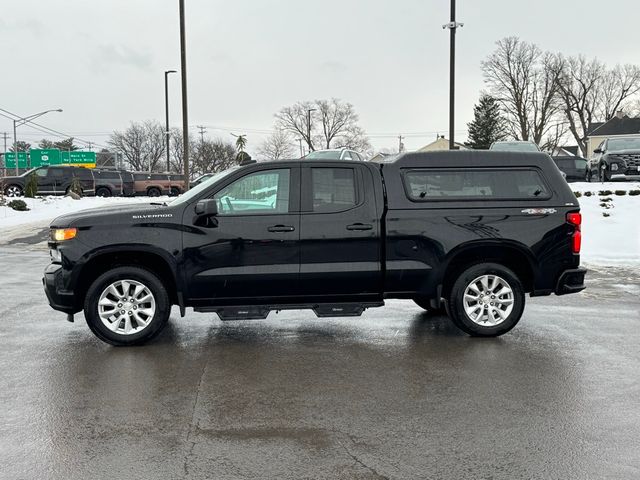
175	191
154	192
127	306
486	300
103	192
13	191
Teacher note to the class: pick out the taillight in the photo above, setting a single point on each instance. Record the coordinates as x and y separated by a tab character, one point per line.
575	219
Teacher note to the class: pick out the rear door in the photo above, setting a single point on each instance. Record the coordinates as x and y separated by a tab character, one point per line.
339	231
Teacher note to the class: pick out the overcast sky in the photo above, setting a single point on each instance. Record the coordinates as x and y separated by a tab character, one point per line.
103	61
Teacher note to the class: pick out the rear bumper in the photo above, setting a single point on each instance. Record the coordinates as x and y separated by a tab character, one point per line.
59	298
571	281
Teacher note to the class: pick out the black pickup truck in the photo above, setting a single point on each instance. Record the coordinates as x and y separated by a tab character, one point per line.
471	231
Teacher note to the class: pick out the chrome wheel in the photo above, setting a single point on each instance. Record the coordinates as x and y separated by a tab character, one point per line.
126	307
488	300
13	191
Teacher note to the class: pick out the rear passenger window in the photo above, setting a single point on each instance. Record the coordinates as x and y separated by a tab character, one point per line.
333	189
475	184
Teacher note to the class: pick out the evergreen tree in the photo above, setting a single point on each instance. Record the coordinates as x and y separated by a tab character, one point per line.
488	124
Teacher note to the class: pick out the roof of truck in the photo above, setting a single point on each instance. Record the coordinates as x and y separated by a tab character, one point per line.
466	158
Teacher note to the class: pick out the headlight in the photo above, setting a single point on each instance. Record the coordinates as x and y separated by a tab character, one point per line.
614	167
62	234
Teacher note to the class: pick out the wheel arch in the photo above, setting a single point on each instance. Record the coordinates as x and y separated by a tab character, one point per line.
513	255
148	258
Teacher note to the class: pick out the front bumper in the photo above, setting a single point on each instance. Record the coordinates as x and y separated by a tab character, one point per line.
571	281
59	298
629	175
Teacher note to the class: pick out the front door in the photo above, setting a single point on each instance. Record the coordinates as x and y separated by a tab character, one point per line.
339	232
249	252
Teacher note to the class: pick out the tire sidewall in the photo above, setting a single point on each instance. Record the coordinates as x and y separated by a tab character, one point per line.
163	305
20	191
153	192
103	192
456	306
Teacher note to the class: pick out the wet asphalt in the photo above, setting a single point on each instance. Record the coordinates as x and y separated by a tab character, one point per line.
395	393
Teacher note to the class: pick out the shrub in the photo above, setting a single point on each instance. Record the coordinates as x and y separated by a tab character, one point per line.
606	199
577	194
634	192
587	194
605	192
75	186
605	214
620	192
31	188
19	205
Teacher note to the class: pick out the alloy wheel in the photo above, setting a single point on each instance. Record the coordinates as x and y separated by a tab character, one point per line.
126	307
488	300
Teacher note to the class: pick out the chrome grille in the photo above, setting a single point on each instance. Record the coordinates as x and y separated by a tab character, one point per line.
631	159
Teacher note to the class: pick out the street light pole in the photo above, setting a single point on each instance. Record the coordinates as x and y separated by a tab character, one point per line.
452	26
166	112
185	114
309	110
21	121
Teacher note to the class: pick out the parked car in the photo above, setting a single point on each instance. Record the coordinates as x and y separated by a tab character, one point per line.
151	184
107	182
575	168
177	184
52	180
334	154
615	159
515	146
471	229
201	179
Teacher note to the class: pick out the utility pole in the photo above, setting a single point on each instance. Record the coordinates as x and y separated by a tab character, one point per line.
452	26
4	155
89	143
166	113
400	144
185	113
309	110
301	151
202	129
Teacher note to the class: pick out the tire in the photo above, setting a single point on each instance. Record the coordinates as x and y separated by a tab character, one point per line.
13	191
587	175
154	192
425	304
487	323
603	174
175	191
103	192
142	323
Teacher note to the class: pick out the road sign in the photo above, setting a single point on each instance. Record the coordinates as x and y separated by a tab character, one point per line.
10	160
45	157
78	158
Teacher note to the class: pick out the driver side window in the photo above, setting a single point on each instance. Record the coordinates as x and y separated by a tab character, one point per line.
257	193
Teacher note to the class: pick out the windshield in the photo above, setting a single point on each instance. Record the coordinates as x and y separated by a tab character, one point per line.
515	147
624	144
330	154
195	191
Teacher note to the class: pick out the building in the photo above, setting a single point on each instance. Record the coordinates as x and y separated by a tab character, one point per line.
441	143
618	126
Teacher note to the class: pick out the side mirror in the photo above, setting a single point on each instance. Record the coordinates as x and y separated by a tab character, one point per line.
207	208
598	150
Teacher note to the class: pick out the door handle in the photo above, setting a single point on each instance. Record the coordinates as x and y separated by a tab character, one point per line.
360	226
281	228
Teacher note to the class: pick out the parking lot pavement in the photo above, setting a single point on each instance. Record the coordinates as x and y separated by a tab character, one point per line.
393	394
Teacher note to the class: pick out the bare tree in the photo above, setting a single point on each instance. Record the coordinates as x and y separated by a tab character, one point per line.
525	82
277	146
618	86
213	156
354	138
176	150
330	122
142	144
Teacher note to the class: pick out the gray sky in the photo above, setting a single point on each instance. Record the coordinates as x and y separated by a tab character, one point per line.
103	61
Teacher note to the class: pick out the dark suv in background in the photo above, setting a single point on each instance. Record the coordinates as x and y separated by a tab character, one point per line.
575	168
615	159
51	181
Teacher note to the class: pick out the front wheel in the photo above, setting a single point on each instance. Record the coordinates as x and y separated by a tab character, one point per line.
486	300
604	174
587	175
13	191
127	306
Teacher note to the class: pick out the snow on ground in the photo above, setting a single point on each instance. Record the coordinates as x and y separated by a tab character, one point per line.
606	240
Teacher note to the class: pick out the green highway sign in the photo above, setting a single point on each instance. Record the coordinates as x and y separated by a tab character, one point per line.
86	159
42	158
10	160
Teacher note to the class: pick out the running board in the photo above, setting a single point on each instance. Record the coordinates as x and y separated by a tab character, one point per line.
259	312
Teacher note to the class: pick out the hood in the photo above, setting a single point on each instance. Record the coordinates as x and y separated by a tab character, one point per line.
630	151
13	178
118	214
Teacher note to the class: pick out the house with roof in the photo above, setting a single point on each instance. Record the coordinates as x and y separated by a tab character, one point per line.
442	143
620	125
